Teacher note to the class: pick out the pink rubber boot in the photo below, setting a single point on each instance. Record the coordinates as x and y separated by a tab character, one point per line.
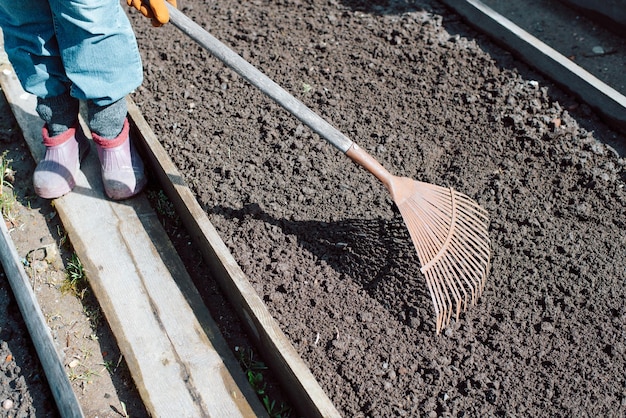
55	174
122	169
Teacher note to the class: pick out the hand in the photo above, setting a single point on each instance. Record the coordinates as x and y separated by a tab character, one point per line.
153	9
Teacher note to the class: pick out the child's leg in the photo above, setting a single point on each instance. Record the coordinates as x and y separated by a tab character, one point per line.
99	49
32	48
60	113
31	45
102	60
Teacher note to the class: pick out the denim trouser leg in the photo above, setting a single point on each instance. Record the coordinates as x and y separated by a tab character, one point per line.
85	46
31	45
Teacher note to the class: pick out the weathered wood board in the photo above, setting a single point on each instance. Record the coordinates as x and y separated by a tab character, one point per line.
180	362
50	359
608	102
295	376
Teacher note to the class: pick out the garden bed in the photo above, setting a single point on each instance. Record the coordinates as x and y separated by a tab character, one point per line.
322	243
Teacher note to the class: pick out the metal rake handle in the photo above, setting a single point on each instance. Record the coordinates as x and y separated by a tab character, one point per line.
258	79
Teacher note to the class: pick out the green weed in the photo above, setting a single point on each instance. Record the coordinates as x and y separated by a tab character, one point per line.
64	241
94	314
254	372
109	366
162	205
7	196
74	282
85	376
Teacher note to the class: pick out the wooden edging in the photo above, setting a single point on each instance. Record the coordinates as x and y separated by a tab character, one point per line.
296	378
181	364
608	102
50	360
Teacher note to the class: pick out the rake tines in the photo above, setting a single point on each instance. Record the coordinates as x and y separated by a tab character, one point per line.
449	231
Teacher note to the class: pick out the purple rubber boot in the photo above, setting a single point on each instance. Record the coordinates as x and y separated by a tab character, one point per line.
122	169
55	174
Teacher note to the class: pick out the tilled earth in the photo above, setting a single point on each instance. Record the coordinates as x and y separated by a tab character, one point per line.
323	244
320	238
20	372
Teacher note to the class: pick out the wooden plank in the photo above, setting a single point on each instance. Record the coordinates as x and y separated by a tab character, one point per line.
608	102
182	367
51	360
280	354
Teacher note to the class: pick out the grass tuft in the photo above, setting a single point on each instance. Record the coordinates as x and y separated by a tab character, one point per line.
7	195
75	282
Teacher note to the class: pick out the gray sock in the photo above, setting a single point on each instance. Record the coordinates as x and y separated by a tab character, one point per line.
107	121
59	113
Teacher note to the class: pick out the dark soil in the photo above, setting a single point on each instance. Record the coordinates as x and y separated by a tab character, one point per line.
323	244
20	371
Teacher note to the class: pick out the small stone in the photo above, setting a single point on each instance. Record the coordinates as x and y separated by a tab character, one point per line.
7	404
39	266
366	317
598	50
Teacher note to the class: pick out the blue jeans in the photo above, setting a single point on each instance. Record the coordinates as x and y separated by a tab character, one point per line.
84	47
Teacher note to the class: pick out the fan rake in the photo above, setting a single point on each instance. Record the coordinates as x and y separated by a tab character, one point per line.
448	229
450	233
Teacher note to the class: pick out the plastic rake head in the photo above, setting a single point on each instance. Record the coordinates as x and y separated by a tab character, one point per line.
449	231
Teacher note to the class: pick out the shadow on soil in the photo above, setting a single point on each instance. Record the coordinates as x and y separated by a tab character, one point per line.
376	254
